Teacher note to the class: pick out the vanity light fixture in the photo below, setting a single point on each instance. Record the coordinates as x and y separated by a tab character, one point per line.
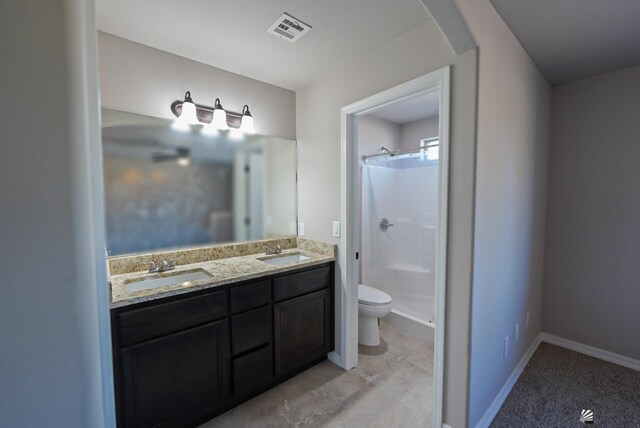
219	116
246	124
213	118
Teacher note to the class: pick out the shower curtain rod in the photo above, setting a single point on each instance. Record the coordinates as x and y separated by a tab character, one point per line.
399	152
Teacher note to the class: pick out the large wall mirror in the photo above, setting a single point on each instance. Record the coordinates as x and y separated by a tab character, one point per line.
167	188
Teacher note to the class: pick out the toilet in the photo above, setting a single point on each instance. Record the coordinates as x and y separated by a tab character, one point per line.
372	305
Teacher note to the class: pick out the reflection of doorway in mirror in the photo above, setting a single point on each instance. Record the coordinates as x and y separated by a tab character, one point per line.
248	195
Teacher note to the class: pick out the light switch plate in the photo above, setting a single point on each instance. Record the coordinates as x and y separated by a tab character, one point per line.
300	229
336	229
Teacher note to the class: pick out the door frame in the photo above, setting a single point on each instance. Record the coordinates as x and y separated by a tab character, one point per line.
350	240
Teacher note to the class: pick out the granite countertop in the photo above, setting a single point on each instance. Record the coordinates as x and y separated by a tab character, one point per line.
222	271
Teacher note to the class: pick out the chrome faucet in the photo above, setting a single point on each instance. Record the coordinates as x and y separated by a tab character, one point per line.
171	265
164	266
268	250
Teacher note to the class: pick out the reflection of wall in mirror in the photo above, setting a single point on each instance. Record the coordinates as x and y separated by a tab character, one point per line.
161	205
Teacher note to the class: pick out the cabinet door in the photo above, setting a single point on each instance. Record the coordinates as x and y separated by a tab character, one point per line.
176	379
302	330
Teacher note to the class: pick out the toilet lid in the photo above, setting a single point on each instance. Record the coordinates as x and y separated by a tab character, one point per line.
372	296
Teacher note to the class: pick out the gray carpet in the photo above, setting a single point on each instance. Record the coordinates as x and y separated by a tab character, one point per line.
558	383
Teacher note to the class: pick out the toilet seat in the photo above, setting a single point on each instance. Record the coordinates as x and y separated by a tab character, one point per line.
372	296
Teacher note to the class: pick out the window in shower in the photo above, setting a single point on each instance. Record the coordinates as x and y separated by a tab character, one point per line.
430	148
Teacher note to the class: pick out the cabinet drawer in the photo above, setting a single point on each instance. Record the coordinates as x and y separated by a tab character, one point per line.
143	324
251	329
249	296
297	284
253	371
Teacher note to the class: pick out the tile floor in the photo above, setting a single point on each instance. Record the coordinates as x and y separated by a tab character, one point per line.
392	386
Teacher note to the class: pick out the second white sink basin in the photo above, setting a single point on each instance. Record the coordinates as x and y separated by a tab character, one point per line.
184	278
284	259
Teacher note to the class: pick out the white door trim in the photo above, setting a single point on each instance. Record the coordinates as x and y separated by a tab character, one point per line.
92	294
349	243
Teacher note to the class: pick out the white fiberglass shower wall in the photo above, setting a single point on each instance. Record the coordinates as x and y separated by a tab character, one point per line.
400	259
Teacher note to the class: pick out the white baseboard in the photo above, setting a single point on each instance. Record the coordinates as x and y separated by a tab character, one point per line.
497	402
592	351
336	359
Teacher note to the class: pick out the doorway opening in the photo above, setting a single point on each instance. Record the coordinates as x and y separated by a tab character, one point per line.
395	156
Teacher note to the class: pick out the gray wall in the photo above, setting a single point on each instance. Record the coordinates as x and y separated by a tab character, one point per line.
139	79
412	132
591	291
513	127
51	359
374	132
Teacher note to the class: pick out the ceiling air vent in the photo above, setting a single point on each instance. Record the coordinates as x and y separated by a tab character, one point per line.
289	28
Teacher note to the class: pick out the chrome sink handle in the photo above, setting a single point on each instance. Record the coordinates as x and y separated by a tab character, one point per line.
164	265
384	225
153	267
270	250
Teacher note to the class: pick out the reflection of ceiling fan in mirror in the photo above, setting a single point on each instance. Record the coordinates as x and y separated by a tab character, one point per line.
181	156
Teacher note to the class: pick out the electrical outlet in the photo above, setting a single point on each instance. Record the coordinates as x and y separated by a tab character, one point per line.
527	318
517	332
300	229
506	347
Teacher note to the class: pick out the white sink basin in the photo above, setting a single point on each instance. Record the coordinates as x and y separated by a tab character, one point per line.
284	259
184	278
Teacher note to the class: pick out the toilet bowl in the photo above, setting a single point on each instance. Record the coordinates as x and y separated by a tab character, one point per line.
372	305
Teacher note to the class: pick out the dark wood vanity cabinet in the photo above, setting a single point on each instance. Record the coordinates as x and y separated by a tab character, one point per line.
182	360
169	380
302	330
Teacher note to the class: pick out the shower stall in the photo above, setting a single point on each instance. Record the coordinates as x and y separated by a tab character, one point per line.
399	219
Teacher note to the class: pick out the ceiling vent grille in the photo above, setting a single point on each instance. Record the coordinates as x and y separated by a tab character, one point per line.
289	28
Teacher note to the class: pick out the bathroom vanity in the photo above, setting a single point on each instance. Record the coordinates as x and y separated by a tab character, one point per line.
202	317
186	353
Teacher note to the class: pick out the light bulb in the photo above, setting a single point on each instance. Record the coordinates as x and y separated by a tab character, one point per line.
246	123
219	116
188	114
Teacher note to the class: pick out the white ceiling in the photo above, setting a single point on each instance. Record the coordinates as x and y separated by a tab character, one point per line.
574	39
232	35
411	109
